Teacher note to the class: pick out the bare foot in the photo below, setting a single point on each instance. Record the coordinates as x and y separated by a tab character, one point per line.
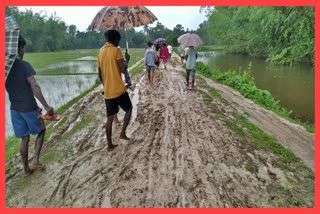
38	166
28	172
112	147
116	120
124	137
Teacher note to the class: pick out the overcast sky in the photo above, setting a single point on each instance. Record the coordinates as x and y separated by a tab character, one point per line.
169	16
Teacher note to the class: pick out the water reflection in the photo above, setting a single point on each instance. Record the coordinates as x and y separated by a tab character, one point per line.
79	66
292	85
88	58
58	90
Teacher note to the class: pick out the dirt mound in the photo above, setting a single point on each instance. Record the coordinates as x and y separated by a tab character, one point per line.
181	154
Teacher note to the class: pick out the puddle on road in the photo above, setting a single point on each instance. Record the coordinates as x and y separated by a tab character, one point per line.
135	101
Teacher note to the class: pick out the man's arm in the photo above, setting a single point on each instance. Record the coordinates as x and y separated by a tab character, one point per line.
38	94
122	65
100	76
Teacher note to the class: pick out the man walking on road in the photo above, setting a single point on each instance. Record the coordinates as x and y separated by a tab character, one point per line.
150	58
26	118
191	57
110	65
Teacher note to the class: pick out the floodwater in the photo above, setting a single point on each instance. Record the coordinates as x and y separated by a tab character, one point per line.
60	89
293	85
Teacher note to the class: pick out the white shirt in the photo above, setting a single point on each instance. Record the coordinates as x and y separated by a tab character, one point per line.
170	49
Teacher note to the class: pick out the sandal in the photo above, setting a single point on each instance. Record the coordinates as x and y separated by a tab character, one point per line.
54	117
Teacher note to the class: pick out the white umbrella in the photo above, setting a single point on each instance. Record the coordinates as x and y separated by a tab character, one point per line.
190	39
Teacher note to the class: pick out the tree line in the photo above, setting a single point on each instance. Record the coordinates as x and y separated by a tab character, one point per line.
45	32
282	35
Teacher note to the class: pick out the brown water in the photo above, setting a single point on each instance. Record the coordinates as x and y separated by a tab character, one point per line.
293	85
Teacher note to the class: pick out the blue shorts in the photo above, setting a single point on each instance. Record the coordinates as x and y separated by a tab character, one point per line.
150	68
26	123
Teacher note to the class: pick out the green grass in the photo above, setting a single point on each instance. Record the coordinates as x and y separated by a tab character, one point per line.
137	70
212	91
12	147
259	140
49	156
135	55
235	127
43	59
83	123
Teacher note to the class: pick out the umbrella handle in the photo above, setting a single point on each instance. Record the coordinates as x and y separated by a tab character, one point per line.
126	35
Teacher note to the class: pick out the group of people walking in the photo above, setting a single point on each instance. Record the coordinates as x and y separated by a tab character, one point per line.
154	56
152	60
22	89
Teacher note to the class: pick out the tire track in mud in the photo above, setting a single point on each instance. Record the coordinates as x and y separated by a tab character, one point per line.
172	181
181	154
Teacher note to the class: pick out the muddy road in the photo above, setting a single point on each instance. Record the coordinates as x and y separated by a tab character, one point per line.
182	153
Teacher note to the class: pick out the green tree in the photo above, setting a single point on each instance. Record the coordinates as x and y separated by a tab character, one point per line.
283	35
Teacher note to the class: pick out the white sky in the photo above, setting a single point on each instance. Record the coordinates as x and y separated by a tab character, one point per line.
169	16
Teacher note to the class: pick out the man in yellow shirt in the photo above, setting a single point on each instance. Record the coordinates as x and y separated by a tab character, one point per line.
110	65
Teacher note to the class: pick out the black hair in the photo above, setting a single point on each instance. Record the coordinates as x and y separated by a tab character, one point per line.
21	42
157	47
149	44
112	35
